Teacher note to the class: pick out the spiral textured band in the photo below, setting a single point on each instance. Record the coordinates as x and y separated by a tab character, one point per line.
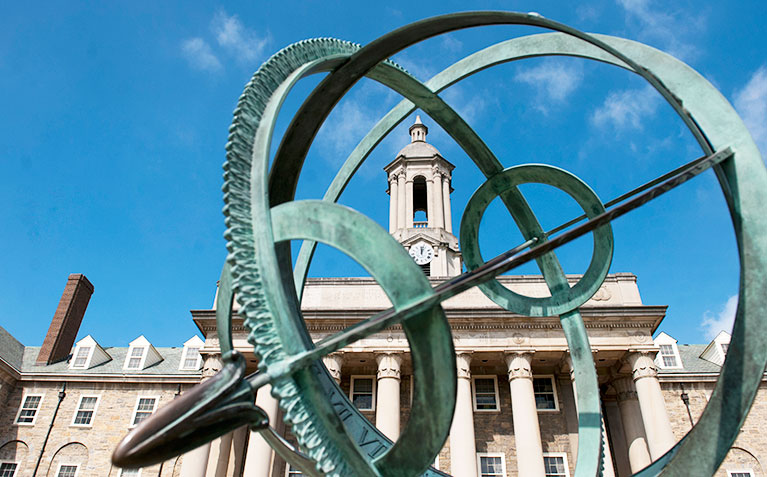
262	216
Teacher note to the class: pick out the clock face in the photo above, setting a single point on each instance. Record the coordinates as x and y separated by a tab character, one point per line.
422	253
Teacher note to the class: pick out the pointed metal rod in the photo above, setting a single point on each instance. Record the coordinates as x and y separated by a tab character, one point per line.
631	193
490	269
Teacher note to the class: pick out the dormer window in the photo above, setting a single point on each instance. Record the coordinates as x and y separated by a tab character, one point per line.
87	354
135	357
668	356
81	357
141	355
191	358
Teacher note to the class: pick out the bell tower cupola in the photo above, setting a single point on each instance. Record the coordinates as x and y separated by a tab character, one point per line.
419	204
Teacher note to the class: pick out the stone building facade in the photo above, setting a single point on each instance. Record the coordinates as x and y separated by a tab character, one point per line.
515	415
64	406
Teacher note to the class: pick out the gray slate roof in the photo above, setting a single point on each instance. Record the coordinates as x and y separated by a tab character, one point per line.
692	362
11	351
169	365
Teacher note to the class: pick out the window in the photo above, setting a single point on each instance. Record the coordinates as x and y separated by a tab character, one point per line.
545	393
28	410
668	357
85	411
67	470
191	358
740	473
8	469
725	347
485	393
136	357
491	465
555	465
291	471
81	358
144	408
362	392
130	473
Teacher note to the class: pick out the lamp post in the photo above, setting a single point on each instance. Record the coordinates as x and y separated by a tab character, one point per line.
686	400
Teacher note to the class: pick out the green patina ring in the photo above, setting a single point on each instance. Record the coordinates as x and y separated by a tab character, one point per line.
562	300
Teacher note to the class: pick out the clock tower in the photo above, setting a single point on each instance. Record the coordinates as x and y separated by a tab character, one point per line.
419	205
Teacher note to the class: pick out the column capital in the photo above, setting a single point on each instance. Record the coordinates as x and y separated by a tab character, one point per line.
211	365
463	364
642	364
519	364
334	362
388	365
624	387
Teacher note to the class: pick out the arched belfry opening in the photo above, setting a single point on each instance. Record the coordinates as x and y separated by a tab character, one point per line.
419	204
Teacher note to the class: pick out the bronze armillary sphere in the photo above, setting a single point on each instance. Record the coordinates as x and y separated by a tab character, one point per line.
262	216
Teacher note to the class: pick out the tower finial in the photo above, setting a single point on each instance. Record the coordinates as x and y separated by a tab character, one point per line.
418	130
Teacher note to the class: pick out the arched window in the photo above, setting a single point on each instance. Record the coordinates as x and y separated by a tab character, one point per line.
419	196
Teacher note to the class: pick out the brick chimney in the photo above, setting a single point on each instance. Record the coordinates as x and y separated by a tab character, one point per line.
66	321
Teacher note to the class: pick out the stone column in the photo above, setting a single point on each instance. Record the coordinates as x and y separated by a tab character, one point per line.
607	458
439	211
218	462
237	452
527	433
195	462
431	213
463	448
334	362
409	204
615	430
446	203
387	394
660	436
393	203
258	459
633	428
401	212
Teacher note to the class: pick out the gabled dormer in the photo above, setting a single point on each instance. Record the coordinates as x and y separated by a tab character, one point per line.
141	355
716	351
668	355
87	354
190	356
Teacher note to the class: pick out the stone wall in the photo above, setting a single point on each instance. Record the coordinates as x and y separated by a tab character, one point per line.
750	447
88	447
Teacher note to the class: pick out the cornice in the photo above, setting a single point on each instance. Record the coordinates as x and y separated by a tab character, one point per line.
113	378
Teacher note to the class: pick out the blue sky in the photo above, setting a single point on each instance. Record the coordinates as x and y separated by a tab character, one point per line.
115	115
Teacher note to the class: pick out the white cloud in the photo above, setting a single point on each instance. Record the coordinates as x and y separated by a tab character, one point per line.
469	107
200	55
345	127
553	79
242	42
713	324
751	103
626	109
451	44
673	31
587	13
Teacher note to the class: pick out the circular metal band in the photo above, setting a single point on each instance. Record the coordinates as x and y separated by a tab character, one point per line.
562	300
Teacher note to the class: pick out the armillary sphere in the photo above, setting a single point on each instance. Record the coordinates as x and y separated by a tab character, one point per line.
262	217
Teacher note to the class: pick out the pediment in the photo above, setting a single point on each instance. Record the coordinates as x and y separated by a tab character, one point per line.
420	237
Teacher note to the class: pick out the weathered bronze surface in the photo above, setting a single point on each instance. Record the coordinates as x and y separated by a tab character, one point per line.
262	216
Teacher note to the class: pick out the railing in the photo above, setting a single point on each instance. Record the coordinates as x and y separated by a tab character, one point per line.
420	225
